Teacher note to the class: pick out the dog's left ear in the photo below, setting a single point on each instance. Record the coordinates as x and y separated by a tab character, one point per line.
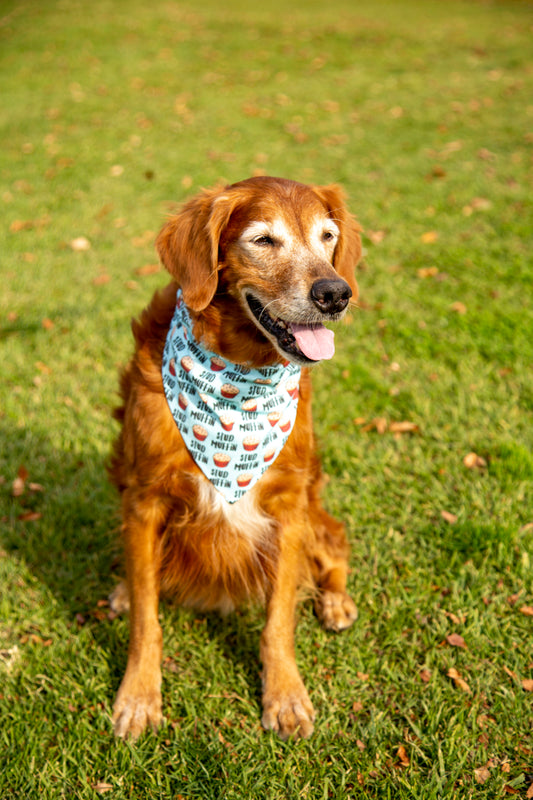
188	245
348	250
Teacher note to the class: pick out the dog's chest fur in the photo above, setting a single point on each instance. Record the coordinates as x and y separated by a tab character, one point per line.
221	554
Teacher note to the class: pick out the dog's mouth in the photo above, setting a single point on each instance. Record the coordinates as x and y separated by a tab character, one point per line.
305	344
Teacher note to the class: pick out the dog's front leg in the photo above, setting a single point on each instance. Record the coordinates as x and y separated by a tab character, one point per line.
287	708
138	702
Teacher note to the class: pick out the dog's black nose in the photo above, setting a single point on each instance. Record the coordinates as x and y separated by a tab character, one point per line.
330	296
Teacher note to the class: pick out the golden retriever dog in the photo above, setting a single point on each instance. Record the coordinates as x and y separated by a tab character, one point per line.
215	462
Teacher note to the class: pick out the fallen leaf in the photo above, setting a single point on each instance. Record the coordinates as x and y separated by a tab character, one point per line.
148	269
429	237
378	424
425	675
428	272
459	682
449	517
48	324
29	516
101	787
375	236
529	793
458	307
21	225
473	461
455	640
357	706
404	427
527	610
402	755
510	672
102	279
527	684
481	774
361	745
116	170
80	244
510	789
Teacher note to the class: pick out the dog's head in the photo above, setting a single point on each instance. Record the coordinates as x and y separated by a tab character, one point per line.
286	252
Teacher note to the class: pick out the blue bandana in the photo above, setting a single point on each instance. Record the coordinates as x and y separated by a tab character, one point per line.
234	420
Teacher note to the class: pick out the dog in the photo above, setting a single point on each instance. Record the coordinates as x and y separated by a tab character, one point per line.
215	461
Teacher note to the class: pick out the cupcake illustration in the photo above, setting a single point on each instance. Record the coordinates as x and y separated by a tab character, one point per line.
250	443
274	417
172	366
244	480
187	363
221	460
182	401
217	364
229	391
285	425
292	387
269	454
263	381
249	405
227	421
199	432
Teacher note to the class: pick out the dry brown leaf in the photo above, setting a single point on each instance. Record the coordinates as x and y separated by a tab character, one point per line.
527	684
510	672
455	640
448	517
459	682
425	675
404	427
80	243
429	237
458	307
148	269
473	461
527	610
529	793
102	787
48	324
378	424
21	225
428	272
375	236
102	279
402	755
18	486
29	516
481	774
357	706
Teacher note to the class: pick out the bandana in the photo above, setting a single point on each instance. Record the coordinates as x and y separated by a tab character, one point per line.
233	420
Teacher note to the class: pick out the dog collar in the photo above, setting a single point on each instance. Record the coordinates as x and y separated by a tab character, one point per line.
234	420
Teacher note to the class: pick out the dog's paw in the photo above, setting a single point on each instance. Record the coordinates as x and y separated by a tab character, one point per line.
119	599
133	712
289	713
336	610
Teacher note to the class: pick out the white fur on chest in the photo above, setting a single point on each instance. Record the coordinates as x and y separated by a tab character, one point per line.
244	518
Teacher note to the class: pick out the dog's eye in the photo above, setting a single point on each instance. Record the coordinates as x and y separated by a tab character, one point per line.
327	236
265	241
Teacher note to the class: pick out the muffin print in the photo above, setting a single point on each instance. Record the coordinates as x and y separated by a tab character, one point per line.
233	419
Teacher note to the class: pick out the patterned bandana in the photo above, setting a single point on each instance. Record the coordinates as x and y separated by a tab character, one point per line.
233	420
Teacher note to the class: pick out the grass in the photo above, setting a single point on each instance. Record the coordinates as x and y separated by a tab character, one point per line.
113	112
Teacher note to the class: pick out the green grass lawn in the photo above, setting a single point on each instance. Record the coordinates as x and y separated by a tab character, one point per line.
111	113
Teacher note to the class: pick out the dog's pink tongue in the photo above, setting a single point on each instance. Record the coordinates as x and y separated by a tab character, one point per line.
316	343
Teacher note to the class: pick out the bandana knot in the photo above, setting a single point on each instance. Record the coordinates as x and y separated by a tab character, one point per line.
234	420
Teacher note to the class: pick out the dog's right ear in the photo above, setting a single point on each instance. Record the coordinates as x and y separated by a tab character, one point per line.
188	245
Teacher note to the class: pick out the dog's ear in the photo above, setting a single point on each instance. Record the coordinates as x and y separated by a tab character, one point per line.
348	249
188	245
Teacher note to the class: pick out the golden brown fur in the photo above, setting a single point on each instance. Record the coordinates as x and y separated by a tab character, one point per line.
181	537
